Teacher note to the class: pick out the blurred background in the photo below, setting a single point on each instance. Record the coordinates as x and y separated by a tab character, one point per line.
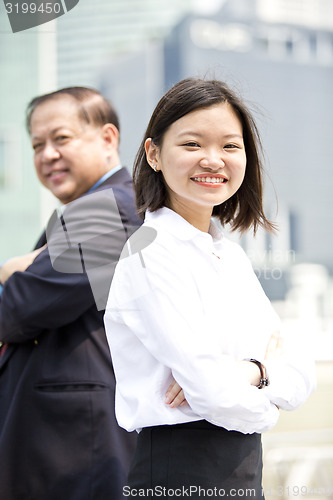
279	55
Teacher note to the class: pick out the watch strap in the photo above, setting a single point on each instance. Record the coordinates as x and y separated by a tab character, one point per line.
264	380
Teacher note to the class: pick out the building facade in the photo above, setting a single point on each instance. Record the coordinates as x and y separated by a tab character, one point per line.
285	72
21	213
278	54
95	32
69	51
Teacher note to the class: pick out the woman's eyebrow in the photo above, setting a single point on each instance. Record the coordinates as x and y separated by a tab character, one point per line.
199	134
233	136
190	132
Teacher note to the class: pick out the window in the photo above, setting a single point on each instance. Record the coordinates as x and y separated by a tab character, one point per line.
2	163
10	155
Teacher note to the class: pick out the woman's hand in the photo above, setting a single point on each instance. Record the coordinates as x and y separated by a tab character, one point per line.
249	371
274	350
174	395
275	346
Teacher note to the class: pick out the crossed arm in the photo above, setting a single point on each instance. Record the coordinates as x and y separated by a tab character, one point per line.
175	396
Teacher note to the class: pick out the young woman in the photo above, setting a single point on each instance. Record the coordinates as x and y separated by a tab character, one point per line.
187	318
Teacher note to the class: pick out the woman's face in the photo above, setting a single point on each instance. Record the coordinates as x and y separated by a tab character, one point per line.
202	159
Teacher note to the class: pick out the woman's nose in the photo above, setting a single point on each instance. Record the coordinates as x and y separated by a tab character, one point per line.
213	161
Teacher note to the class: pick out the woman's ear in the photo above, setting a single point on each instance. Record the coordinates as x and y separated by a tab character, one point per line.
152	153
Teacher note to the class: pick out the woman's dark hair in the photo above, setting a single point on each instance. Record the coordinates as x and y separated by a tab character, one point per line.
245	208
93	108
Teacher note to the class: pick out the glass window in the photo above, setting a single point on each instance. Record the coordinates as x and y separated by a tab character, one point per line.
10	159
2	163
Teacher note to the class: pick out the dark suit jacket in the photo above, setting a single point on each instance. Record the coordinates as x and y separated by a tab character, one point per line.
59	439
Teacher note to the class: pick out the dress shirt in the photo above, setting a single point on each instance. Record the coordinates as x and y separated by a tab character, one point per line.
104	177
188	306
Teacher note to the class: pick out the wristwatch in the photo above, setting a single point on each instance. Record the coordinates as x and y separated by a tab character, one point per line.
264	380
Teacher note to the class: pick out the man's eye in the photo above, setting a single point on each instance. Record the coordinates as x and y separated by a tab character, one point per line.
37	146
61	138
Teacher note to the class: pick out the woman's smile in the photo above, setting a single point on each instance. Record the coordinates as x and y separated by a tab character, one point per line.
210	181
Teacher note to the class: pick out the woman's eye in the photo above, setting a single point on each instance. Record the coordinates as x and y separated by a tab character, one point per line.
231	146
192	144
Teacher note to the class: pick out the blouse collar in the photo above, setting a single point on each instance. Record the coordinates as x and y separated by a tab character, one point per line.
177	225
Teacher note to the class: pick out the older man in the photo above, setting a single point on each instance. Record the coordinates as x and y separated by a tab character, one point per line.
58	435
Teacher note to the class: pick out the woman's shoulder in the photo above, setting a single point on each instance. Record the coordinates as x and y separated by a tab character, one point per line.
235	252
152	241
170	228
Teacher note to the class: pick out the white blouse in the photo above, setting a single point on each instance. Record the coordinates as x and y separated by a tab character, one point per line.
188	306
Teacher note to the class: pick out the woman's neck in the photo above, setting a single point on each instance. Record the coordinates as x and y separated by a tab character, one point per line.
199	218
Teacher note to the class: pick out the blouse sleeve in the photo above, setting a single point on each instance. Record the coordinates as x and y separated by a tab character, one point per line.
292	378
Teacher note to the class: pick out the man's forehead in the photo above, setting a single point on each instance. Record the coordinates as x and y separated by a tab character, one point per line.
62	105
57	113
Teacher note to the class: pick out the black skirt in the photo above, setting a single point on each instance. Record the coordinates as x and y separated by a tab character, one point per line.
196	460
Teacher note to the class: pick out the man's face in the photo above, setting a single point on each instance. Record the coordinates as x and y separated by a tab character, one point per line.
70	155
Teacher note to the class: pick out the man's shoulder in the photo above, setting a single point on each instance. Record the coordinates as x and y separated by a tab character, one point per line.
120	185
119	180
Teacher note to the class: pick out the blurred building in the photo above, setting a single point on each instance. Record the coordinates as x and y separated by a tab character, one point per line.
286	71
69	51
22	57
94	32
309	13
278	53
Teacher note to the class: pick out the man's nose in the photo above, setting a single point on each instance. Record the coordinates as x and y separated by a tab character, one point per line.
50	152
